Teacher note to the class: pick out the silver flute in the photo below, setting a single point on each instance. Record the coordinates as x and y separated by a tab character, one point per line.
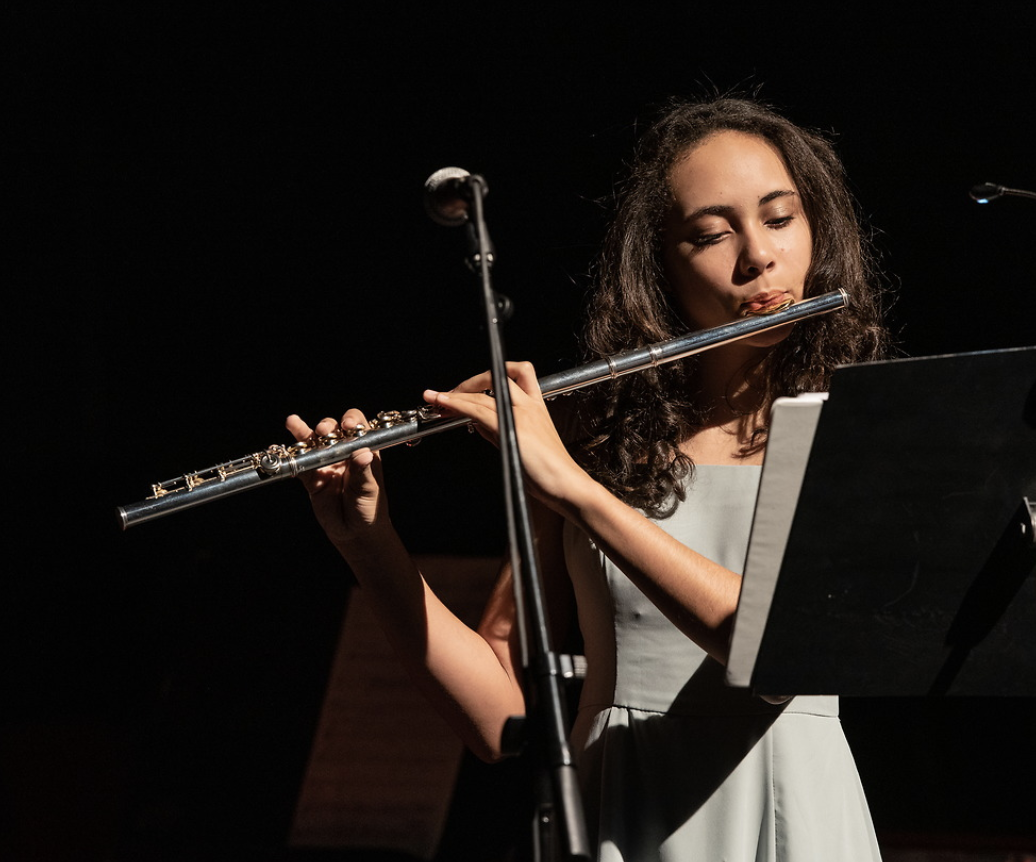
409	426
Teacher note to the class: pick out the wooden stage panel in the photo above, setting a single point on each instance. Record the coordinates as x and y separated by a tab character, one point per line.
383	764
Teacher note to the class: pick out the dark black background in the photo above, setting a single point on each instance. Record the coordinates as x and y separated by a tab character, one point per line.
214	219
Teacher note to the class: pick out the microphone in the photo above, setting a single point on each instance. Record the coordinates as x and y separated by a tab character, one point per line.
983	193
447	196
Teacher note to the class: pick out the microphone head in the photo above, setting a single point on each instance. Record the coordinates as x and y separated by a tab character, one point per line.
983	193
446	196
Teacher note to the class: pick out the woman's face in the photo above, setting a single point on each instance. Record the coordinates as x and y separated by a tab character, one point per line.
736	240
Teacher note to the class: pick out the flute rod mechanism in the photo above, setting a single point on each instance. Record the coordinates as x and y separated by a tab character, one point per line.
395	427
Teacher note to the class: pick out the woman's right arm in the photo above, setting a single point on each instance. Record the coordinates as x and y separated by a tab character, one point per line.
471	677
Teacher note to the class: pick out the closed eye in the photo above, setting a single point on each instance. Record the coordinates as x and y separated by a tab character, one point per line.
707	239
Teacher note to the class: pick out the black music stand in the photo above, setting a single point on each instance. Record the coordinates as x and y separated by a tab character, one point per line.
910	564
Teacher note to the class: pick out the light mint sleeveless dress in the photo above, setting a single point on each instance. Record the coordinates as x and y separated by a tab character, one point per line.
674	764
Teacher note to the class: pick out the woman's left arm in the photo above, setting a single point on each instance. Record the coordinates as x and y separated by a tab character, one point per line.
696	594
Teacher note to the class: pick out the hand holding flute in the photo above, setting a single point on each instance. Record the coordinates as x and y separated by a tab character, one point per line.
347	497
550	470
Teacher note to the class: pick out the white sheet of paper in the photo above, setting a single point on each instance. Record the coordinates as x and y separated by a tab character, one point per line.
793	423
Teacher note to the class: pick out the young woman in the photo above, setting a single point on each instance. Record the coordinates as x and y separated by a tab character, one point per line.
643	518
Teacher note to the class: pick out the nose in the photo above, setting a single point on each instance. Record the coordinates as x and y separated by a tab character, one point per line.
758	254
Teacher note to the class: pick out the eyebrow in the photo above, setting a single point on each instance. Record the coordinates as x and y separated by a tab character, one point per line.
723	210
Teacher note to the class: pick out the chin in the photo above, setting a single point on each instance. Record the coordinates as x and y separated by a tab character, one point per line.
770	338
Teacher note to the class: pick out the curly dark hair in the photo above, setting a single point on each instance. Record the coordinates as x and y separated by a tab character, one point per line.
632	427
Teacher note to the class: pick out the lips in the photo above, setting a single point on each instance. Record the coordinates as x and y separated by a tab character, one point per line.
766	303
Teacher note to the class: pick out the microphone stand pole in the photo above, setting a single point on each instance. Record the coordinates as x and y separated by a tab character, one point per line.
558	796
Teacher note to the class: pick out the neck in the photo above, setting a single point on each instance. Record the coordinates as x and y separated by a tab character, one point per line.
733	393
733	381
